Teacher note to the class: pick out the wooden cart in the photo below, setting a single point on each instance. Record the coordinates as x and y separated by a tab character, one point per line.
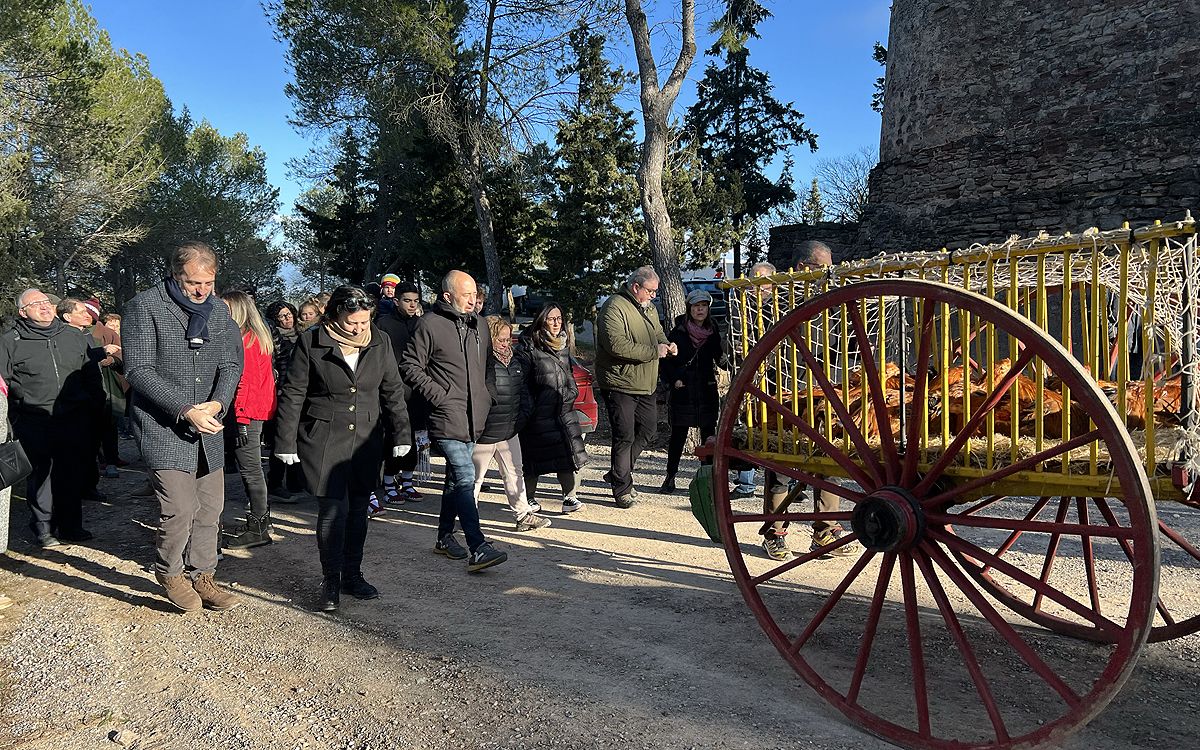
998	424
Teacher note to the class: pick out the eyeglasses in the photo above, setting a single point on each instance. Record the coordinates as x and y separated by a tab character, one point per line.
554	319
37	303
653	292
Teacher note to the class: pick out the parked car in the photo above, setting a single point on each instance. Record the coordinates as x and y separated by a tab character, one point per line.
585	402
534	300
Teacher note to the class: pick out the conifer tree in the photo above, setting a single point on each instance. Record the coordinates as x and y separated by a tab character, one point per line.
740	127
596	233
813	210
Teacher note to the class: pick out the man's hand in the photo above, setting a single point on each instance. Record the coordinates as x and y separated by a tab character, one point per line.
674	348
243	436
678	383
211	408
400	451
111	349
290	459
664	350
202	422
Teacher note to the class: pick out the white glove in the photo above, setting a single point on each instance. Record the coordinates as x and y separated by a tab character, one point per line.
288	458
400	451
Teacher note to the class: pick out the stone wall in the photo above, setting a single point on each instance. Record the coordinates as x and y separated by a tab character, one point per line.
1011	116
784	240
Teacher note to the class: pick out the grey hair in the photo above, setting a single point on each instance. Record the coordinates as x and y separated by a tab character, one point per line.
763	264
193	251
641	275
21	296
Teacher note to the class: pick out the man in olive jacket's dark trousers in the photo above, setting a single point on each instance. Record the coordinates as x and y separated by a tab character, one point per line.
446	363
183	361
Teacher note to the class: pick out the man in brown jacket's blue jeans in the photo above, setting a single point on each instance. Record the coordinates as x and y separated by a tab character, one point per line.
629	343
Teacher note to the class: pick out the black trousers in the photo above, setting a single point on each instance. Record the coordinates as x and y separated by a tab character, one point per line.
249	464
342	533
679	435
634	422
62	450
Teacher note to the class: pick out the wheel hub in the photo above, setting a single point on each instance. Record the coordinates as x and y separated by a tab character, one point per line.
889	519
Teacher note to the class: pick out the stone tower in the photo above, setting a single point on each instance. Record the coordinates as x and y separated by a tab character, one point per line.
1010	116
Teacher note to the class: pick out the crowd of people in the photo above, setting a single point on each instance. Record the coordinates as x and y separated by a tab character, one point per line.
346	390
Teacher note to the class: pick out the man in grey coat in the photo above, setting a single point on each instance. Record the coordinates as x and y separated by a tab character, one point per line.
183	360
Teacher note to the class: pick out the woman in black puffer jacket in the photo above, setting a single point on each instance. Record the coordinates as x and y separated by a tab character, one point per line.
551	440
691	378
510	409
283	482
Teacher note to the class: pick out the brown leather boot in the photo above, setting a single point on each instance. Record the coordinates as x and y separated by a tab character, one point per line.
213	597
180	592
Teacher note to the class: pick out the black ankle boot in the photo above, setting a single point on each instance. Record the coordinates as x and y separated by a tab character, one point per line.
355	585
330	594
254	533
668	485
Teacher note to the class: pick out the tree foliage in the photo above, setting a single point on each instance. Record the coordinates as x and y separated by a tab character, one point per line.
813	210
740	128
595	235
879	55
843	181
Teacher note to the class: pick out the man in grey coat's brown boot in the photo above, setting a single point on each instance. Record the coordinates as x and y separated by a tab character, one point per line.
183	361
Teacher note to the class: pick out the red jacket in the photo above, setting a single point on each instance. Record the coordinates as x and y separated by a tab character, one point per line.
256	391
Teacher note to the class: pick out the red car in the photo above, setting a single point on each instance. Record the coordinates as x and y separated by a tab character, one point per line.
585	402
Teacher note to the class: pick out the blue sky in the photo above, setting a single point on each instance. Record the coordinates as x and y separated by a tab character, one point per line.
219	58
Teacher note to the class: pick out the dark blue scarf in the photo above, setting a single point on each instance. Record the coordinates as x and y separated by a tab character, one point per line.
197	314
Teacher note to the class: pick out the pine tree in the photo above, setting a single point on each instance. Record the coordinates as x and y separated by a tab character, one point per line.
813	210
741	127
595	236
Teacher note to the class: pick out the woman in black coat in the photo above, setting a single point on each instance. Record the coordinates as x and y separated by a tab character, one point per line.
509	411
341	385
691	377
282	482
551	441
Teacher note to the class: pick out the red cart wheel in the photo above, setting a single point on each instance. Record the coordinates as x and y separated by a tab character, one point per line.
1073	556
897	636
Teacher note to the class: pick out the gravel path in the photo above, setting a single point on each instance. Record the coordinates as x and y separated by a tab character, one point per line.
611	629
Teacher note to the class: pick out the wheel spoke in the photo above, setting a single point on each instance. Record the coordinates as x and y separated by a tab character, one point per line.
874	468
913	443
1001	626
1051	551
982	504
973	423
887	442
1127	548
1178	538
872	624
916	653
791	517
1022	465
964	647
1112	629
813	434
831	601
1089	554
801	559
1070	529
812	480
1013	537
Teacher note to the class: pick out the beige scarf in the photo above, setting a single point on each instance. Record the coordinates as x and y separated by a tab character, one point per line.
349	343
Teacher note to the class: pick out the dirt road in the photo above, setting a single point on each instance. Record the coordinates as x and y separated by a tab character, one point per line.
611	629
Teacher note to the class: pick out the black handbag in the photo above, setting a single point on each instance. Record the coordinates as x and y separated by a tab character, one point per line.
14	463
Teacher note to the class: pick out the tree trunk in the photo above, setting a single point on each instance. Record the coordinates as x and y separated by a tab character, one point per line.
656	111
487	233
658	218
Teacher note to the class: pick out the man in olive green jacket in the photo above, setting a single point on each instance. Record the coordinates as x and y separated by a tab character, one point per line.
629	343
